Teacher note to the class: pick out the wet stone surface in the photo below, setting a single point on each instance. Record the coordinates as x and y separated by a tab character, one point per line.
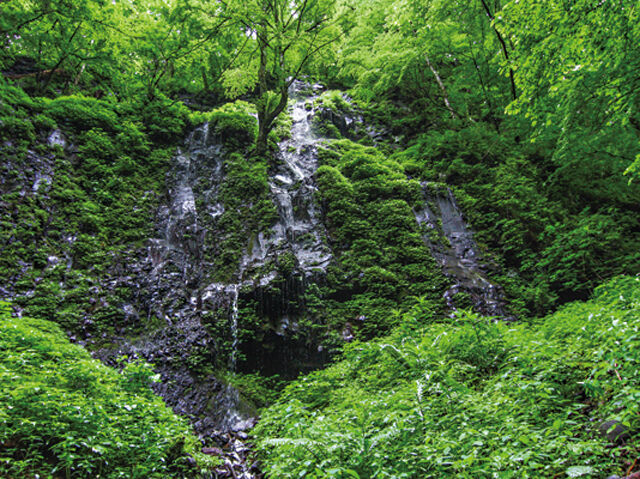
452	244
174	289
173	281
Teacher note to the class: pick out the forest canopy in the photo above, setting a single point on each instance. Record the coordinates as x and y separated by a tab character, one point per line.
567	69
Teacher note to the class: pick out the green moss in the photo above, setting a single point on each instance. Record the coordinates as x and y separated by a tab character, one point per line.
382	261
286	263
233	123
332	100
80	112
282	129
248	209
262	391
325	128
98	204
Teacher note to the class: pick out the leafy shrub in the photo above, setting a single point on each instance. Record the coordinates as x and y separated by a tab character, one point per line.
532	214
580	254
258	390
13	129
165	120
81	112
233	123
65	414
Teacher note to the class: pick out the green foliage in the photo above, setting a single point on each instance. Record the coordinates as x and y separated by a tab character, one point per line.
301	31
468	398
543	190
589	250
438	57
65	414
332	100
232	123
333	103
259	390
164	119
554	237
145	47
429	72
248	209
15	106
576	67
80	112
382	259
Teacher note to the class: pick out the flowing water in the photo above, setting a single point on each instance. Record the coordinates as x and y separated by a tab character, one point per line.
299	228
452	245
234	327
175	281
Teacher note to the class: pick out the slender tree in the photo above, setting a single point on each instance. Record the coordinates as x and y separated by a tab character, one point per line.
286	35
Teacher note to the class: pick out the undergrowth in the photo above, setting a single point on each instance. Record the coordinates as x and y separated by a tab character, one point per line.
470	398
63	414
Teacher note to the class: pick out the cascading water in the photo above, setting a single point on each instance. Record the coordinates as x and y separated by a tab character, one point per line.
175	286
175	281
169	283
234	327
452	244
299	228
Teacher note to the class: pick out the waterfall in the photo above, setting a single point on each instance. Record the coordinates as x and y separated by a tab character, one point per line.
234	326
452	245
178	290
299	228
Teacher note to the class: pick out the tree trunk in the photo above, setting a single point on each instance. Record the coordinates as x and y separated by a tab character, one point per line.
263	133
266	119
503	45
443	89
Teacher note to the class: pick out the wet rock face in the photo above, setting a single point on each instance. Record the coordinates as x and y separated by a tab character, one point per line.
279	345
452	244
30	178
189	320
349	122
33	176
614	431
299	229
168	277
177	255
177	289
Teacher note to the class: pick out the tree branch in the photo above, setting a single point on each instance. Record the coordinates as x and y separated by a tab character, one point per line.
503	45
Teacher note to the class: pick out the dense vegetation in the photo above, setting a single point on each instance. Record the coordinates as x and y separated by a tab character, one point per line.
470	398
69	209
66	415
527	110
369	204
